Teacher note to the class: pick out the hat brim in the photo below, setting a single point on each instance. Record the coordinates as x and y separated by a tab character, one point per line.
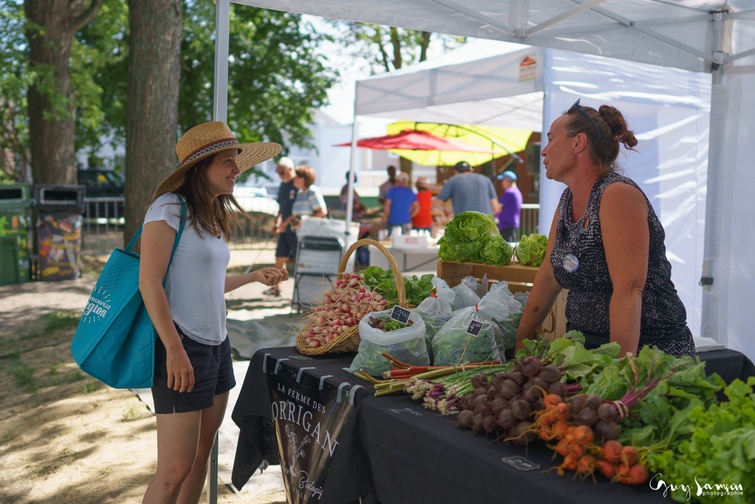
250	154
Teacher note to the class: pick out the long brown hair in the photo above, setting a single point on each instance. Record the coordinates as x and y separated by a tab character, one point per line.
208	213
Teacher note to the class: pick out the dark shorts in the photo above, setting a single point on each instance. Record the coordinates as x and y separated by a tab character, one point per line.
286	245
213	375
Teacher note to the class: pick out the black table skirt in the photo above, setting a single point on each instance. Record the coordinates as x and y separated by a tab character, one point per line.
400	452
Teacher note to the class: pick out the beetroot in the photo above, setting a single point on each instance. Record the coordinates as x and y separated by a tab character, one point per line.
521	409
607	431
550	373
464	419
608	412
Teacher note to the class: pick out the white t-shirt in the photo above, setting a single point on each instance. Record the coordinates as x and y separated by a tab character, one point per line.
195	284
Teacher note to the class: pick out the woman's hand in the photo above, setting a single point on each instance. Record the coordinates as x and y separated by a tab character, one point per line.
270	276
180	370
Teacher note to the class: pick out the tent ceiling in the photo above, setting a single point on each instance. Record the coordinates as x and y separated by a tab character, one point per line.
661	32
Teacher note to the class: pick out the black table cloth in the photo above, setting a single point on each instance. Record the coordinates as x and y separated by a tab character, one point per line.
394	451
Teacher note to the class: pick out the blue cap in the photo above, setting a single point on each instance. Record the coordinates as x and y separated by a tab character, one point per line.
507	174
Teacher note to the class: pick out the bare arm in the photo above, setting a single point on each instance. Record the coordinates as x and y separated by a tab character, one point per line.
544	292
267	276
495	205
414	209
156	244
626	241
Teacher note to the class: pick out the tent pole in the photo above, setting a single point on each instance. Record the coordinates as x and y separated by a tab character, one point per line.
222	23
352	168
711	324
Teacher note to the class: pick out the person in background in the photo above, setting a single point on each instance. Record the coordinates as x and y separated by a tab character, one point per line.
423	219
343	198
286	248
193	368
309	200
606	244
400	205
388	184
469	191
511	206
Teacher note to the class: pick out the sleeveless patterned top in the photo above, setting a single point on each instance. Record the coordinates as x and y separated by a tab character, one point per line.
590	287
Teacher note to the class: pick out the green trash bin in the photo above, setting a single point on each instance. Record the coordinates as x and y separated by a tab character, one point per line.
15	220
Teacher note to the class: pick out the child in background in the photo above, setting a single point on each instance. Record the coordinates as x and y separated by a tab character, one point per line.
423	220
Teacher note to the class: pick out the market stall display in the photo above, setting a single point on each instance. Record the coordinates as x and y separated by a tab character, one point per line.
365	462
333	325
626	419
519	279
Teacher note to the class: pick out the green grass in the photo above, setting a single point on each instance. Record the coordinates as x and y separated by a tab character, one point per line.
24	376
58	320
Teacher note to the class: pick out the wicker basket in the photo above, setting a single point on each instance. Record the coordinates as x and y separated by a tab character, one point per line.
348	340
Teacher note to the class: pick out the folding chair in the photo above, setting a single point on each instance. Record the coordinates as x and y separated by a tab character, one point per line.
317	260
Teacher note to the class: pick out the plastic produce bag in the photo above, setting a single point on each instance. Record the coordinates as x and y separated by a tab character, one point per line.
407	345
465	294
443	291
435	312
449	344
508	325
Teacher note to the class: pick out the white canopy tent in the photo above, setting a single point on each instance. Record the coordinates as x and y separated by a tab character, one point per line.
515	86
715	36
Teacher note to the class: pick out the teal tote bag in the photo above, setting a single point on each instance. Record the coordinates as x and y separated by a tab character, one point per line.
115	339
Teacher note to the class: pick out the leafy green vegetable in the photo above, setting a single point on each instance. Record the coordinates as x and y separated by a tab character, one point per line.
384	283
473	236
714	445
531	249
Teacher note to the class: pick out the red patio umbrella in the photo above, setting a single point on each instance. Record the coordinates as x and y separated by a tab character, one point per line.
415	140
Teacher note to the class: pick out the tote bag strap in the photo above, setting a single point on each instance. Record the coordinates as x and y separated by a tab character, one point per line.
175	242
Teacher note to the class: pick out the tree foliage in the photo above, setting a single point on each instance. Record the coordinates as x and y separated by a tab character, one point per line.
389	48
276	77
14	80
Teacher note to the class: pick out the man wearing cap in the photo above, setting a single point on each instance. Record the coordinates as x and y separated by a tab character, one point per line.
469	191
511	206
286	250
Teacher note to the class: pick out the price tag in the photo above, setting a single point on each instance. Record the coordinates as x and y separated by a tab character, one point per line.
474	328
400	314
520	463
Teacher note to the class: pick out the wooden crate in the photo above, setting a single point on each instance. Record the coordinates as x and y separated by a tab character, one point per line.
520	279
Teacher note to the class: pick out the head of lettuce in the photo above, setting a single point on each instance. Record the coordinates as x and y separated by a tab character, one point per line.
474	237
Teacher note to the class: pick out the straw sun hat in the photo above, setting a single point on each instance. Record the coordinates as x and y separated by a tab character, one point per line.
203	141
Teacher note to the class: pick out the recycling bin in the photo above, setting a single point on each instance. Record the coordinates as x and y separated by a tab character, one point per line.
60	210
15	251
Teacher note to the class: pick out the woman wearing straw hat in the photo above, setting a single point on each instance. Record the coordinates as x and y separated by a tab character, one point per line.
193	368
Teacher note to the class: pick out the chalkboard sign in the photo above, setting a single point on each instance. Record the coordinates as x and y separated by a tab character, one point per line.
400	314
474	328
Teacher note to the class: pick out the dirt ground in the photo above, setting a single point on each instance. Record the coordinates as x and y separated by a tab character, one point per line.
64	436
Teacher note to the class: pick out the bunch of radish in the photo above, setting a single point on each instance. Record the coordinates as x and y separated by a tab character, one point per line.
341	308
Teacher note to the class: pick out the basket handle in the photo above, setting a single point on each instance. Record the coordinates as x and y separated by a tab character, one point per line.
400	289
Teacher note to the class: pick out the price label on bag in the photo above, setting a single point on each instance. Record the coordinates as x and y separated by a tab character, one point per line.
474	328
400	314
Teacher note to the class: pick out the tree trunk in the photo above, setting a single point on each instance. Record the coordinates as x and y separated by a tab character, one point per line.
50	100
152	105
